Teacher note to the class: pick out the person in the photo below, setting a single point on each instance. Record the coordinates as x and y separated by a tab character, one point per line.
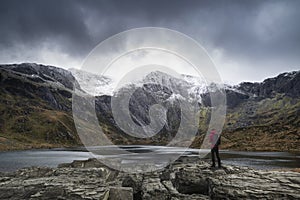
215	140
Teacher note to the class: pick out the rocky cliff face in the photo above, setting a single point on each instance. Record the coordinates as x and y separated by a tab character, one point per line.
35	108
285	83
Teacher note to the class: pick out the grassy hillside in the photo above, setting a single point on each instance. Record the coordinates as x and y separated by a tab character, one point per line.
28	123
34	114
270	124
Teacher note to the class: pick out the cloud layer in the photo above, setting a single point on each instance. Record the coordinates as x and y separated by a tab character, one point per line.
248	40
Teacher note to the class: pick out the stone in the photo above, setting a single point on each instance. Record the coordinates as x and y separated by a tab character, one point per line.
120	193
135	182
154	189
191	182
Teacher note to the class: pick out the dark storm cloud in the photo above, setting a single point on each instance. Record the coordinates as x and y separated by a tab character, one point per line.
261	35
33	22
71	23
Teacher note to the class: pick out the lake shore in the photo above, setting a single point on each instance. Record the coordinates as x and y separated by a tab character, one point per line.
14	160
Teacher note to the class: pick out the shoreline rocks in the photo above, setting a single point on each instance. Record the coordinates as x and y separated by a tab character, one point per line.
182	180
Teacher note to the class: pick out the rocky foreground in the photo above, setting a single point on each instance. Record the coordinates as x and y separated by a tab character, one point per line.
182	180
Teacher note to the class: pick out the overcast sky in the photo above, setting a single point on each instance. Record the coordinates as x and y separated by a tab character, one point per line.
248	40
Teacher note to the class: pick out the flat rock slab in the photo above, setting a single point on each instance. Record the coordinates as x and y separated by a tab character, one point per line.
190	181
120	193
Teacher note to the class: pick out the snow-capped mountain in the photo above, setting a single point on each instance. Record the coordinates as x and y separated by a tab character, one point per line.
185	87
93	84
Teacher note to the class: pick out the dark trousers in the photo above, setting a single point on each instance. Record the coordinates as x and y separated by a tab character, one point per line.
215	152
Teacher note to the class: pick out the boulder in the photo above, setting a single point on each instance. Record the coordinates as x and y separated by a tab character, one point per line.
120	193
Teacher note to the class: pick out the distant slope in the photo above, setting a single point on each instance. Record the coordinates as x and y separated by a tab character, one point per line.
35	108
269	118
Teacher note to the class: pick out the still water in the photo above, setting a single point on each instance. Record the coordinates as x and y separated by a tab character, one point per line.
10	161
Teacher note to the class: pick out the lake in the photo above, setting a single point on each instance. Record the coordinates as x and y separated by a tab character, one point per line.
10	161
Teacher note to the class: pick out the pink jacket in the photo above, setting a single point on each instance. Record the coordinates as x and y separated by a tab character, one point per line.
213	137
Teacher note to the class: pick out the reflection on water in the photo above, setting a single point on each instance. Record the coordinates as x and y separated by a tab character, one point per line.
10	161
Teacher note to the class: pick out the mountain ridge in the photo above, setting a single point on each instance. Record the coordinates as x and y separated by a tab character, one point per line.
35	111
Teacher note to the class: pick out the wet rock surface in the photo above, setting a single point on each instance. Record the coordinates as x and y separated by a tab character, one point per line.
182	180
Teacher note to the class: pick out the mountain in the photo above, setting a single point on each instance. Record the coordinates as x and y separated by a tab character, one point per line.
93	84
35	108
266	116
260	116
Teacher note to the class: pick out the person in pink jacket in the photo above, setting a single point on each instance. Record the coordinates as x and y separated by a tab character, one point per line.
215	141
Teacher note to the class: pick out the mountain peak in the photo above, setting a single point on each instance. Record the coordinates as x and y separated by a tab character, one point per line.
93	84
44	73
288	83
